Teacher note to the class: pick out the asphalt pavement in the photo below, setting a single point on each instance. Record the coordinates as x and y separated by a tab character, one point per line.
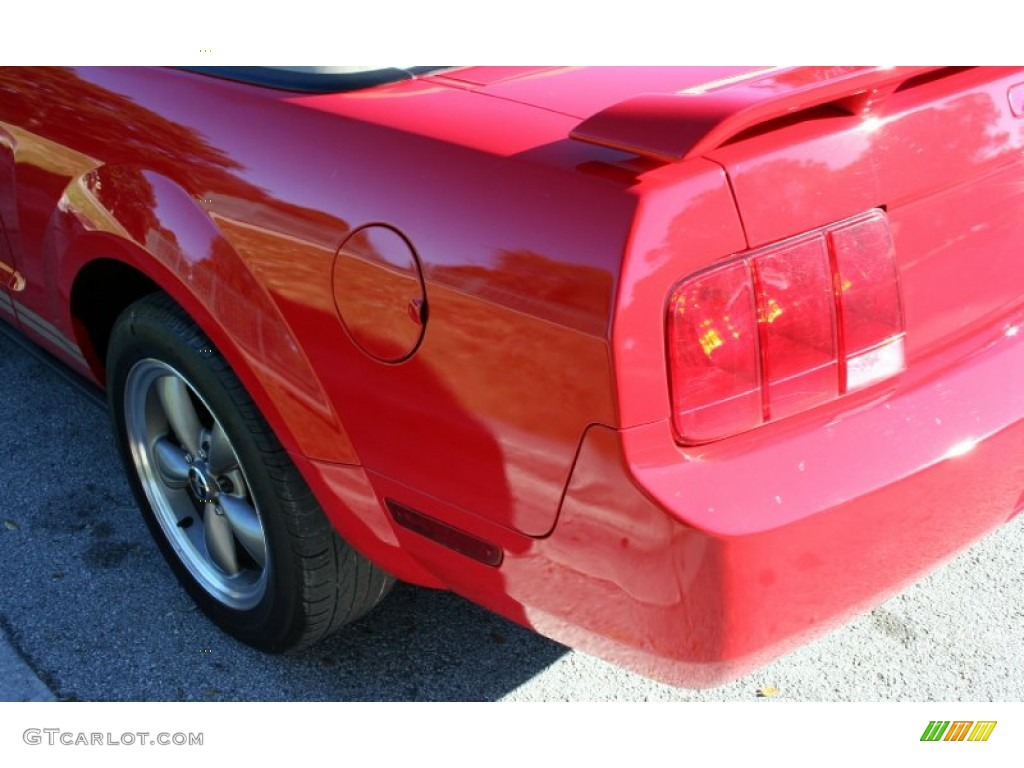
90	611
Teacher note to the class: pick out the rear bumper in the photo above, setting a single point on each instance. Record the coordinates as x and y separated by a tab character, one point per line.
695	569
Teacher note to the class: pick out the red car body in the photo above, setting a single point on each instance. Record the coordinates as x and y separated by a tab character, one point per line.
450	297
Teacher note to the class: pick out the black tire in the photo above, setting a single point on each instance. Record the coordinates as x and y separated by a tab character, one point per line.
310	582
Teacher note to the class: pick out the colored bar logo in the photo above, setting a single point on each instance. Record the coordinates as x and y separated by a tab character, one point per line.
958	730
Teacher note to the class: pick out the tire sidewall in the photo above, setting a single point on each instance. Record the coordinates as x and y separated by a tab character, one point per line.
150	333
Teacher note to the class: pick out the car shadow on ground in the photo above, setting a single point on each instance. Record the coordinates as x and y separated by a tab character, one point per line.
428	645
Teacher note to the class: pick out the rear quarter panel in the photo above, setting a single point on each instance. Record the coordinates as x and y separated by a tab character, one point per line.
235	200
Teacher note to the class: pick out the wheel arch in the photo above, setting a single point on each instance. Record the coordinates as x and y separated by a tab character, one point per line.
166	241
357	516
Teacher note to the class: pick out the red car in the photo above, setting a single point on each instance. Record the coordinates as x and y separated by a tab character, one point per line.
677	366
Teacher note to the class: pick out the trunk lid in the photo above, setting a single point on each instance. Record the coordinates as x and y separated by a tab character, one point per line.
582	91
941	153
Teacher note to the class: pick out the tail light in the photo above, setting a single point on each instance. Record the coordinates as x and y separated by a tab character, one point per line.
784	328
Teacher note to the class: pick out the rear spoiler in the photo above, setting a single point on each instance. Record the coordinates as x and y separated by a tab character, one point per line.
675	126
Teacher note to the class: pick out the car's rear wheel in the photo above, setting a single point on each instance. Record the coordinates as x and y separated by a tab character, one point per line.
228	508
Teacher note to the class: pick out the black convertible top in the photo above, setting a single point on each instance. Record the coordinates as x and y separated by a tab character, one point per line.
315	79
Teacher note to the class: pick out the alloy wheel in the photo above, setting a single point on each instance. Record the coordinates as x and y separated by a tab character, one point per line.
197	487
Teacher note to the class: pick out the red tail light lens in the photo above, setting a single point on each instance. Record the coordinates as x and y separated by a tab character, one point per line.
784	328
714	349
797	329
871	313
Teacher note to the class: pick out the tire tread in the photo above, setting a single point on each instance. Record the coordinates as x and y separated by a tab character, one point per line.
338	585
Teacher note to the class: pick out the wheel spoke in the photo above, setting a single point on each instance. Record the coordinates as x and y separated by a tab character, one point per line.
170	461
181	413
245	524
237	481
220	544
222	457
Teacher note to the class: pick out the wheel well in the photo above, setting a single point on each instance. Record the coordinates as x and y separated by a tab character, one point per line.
101	292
